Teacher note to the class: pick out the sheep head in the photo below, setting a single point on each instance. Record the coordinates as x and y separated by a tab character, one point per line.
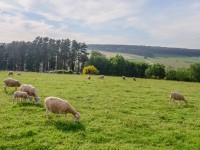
76	117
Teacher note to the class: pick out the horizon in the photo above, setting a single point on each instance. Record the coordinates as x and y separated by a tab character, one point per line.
172	24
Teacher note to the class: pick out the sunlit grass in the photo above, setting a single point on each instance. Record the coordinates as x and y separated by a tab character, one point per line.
115	114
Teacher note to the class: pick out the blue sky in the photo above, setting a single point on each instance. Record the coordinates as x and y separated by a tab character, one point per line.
171	23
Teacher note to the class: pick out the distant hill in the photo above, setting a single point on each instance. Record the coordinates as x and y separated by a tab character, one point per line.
148	51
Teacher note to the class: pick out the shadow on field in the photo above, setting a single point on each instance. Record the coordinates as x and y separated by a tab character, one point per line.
68	126
24	104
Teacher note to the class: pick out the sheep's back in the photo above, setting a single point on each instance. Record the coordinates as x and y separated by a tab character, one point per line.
56	105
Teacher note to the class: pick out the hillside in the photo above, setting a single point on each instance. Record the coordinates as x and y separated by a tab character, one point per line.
148	51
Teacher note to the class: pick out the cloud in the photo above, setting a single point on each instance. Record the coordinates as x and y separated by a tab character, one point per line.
145	22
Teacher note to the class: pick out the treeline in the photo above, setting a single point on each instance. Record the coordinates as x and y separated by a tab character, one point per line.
118	66
148	51
43	54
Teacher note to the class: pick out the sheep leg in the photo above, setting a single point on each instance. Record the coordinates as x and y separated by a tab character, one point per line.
47	113
5	89
13	100
15	88
66	117
178	103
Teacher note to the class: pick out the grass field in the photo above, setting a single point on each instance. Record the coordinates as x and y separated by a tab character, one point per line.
167	60
115	114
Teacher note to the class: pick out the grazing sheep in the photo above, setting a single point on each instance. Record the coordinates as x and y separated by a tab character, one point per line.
177	96
31	91
10	73
101	77
123	77
58	106
134	78
11	83
89	77
22	95
51	71
19	73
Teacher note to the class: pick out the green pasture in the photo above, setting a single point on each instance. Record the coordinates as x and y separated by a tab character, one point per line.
116	114
166	60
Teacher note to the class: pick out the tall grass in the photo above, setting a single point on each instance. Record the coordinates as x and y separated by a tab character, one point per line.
115	114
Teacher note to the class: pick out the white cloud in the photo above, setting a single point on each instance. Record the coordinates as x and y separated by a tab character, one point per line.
103	21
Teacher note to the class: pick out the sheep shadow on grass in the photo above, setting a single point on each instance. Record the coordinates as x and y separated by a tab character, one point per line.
25	104
68	126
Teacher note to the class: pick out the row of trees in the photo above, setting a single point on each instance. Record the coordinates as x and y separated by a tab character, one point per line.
43	54
118	66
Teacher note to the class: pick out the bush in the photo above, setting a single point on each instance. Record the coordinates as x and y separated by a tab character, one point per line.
90	70
184	74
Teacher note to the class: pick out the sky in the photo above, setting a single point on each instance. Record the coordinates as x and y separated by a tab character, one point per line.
168	23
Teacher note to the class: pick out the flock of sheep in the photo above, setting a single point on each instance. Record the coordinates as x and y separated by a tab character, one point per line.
54	104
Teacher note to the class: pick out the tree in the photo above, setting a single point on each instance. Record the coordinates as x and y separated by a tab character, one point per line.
195	71
100	62
155	71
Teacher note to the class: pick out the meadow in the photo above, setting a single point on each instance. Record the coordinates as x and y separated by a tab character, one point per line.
166	60
115	114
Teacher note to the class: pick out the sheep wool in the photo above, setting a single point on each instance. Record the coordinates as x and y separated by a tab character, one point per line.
11	83
177	96
30	90
22	95
59	106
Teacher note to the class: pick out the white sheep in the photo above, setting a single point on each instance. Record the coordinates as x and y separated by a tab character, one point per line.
30	90
11	83
123	77
58	106
89	77
10	73
101	77
22	95
19	73
177	96
134	78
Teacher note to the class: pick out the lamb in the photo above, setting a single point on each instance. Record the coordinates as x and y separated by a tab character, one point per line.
101	77
22	95
11	83
123	77
177	96
89	77
10	73
134	78
30	90
58	106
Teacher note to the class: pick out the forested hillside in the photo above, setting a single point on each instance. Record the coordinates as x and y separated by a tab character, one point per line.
148	51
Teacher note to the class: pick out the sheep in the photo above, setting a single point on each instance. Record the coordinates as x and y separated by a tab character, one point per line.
101	77
59	106
10	73
11	83
177	96
134	78
51	71
22	95
123	77
19	73
30	90
89	77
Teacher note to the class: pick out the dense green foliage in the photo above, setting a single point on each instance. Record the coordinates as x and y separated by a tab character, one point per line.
115	114
118	66
43	54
